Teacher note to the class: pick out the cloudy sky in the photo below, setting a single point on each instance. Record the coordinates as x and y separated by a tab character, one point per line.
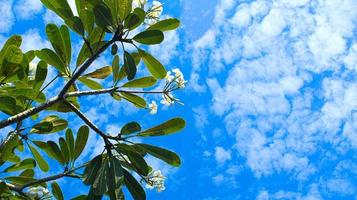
271	103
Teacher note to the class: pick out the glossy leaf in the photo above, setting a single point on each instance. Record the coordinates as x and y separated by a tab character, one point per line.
54	151
50	124
76	24
25	164
100	185
134	99
169	127
58	42
56	191
162	154
91	170
103	16
90	83
153	65
116	68
133	186
52	59
165	25
130	128
70	142
41	74
125	8
114	49
81	141
149	37
60	7
136	160
144	82
65	150
129	65
101	73
39	159
67	43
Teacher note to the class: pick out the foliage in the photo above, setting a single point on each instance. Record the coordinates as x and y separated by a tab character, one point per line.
103	25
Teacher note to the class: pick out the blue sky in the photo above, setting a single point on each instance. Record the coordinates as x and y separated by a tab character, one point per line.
271	103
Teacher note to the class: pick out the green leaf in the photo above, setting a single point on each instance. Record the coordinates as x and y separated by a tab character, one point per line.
86	15
136	160
58	42
144	82
13	55
76	24
56	191
101	73
153	65
125	8
114	49
60	7
116	68
8	105
129	65
134	99
39	159
100	183
134	187
28	163
41	74
165	25
44	126
134	19
165	155
90	83
52	59
54	151
149	37
103	16
81	141
169	127
67	43
91	170
115	174
70	142
130	128
65	150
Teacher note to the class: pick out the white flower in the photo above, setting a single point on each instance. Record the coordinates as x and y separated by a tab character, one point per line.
179	78
169	77
155	12
139	3
153	108
37	192
168	99
32	71
156	180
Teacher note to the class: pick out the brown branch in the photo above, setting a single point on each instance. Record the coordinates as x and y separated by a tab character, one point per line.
89	122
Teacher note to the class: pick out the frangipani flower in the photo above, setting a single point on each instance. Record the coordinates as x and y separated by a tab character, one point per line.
156	180
37	192
169	77
139	3
180	80
153	108
155	12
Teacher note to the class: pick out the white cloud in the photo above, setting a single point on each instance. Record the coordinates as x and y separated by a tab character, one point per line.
27	9
7	16
221	155
286	91
167	50
32	40
218	179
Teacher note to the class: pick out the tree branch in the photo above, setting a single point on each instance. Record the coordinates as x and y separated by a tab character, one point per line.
86	65
89	122
32	111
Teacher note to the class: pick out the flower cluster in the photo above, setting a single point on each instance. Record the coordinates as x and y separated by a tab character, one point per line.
37	192
174	81
153	14
155	180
